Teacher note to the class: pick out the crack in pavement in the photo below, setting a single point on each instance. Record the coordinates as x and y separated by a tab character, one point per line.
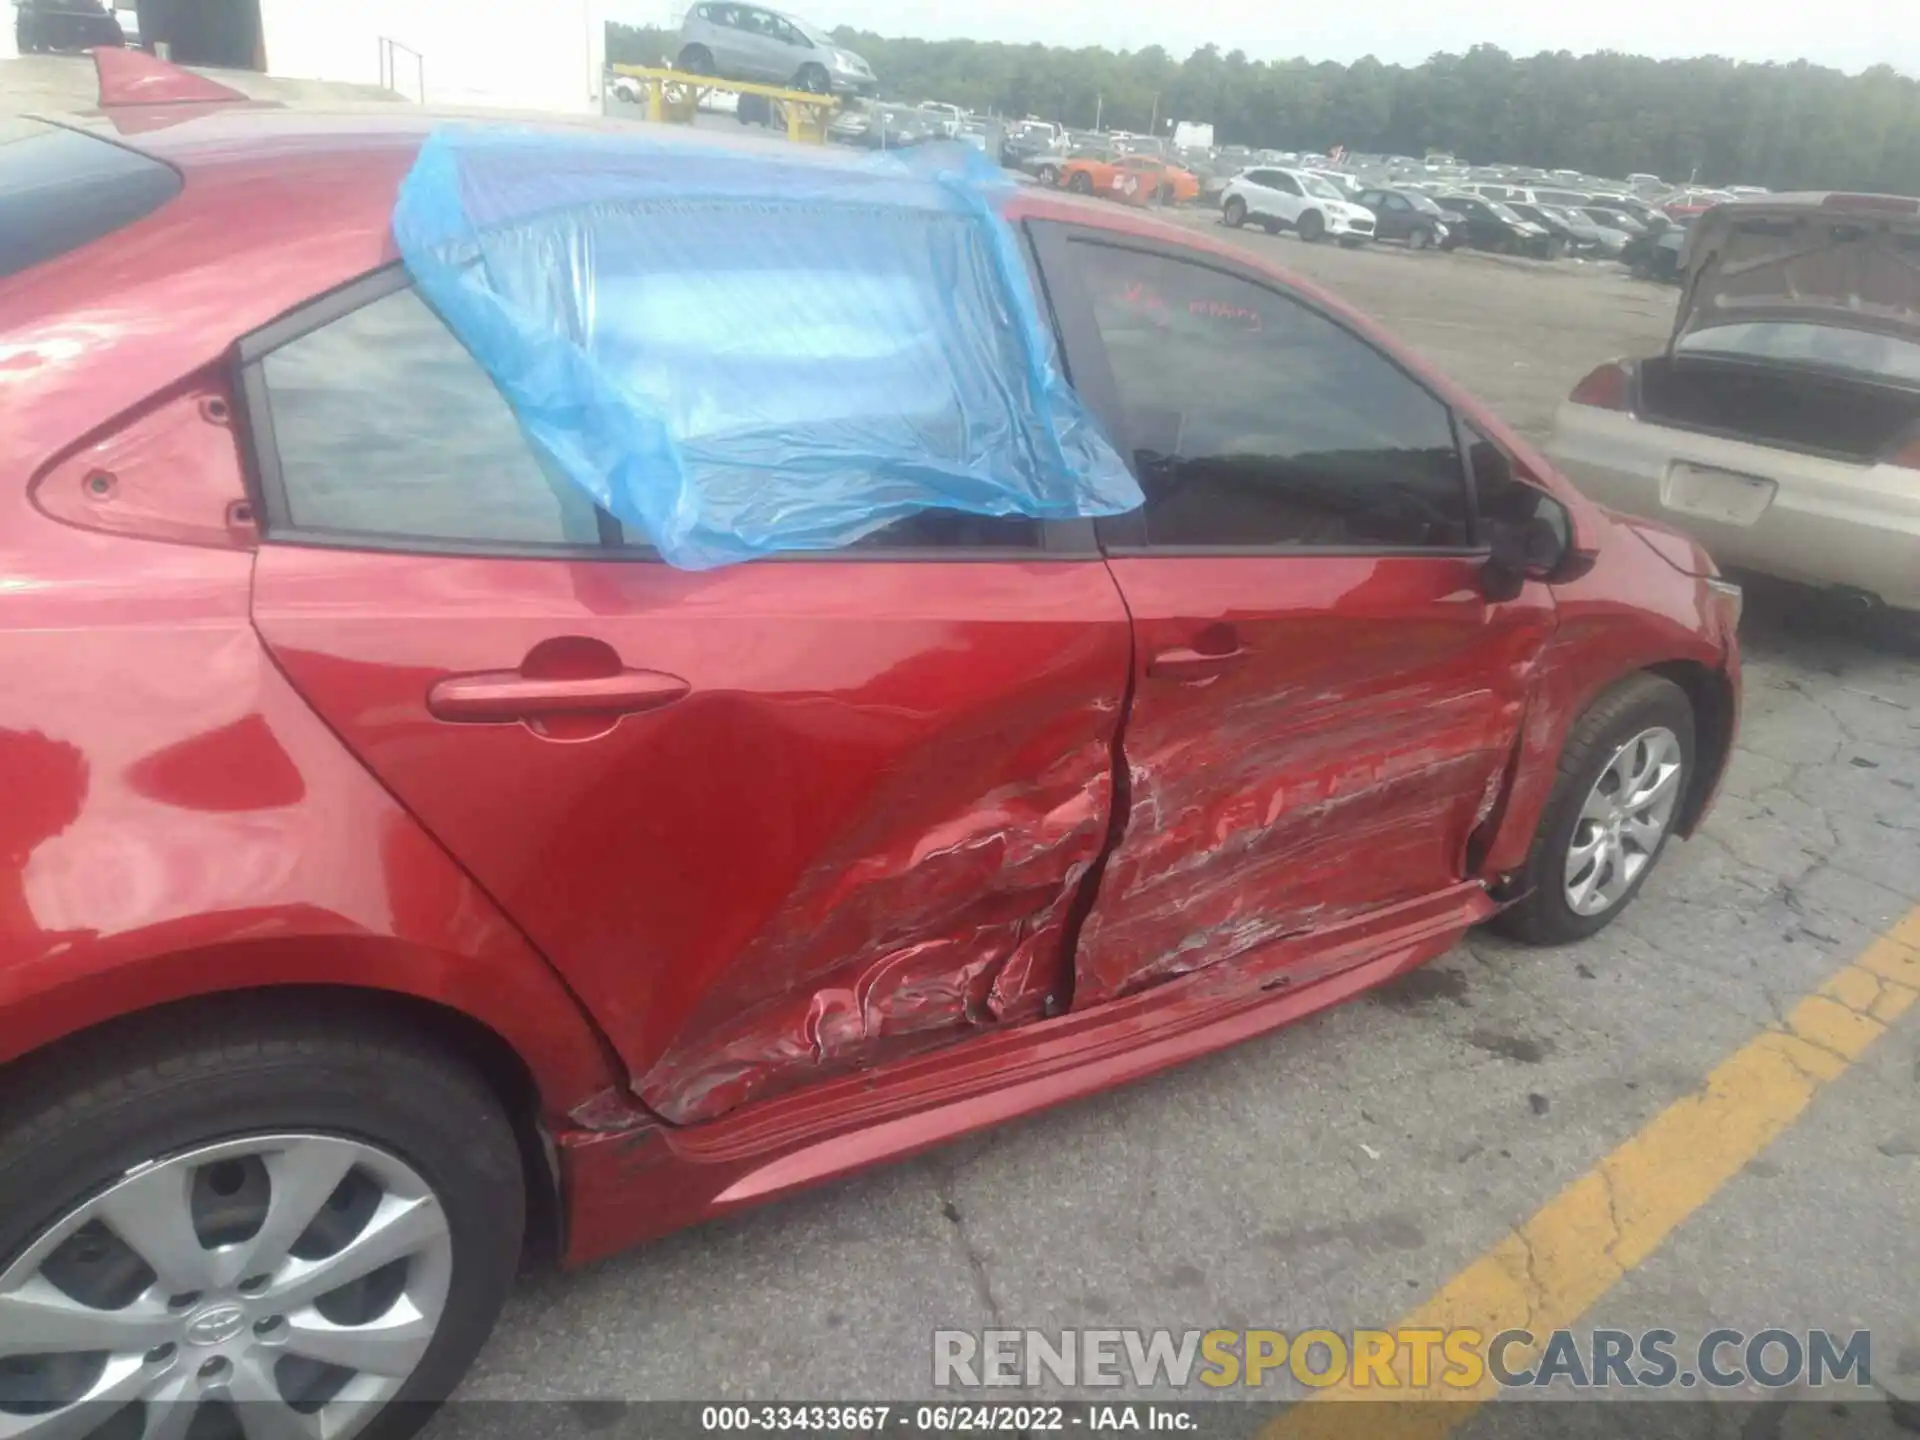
976	1262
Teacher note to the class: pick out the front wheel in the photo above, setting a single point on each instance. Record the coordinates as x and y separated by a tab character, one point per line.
1312	226
695	60
1234	212
317	1216
813	79
1048	174
1080	183
1420	239
1623	774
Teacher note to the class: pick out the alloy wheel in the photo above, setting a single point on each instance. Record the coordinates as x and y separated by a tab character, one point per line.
279	1287
1623	820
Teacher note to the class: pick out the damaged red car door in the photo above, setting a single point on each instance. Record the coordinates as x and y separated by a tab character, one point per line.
771	821
1324	701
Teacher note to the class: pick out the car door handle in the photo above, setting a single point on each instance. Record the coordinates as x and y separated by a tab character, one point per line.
504	695
1182	663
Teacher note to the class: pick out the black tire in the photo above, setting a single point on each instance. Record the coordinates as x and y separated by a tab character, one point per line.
1271	225
1048	174
814	80
695	60
1555	248
1312	226
1080	183
75	1121
1234	212
1164	195
1542	916
1420	239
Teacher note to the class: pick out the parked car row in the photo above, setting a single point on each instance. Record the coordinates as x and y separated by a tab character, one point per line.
1316	204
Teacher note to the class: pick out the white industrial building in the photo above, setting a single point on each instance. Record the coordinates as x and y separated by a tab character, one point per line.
519	54
527	54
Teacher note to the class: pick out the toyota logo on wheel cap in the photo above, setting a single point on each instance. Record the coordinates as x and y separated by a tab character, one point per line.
216	1325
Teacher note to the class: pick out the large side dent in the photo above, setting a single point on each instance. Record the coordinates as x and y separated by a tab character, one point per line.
883	951
1284	812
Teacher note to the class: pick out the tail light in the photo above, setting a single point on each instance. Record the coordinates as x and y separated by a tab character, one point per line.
1605	388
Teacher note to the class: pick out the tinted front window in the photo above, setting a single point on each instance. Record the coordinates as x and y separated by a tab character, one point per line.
61	189
1256	421
386	427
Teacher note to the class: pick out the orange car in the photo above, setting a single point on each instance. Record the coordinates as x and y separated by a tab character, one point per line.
1132	179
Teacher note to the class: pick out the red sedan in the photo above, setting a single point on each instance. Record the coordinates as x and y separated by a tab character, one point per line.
399	863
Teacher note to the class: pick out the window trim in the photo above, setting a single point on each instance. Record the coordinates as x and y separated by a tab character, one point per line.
1055	540
1125	535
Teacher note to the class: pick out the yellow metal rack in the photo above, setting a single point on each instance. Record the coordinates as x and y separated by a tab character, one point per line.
672	97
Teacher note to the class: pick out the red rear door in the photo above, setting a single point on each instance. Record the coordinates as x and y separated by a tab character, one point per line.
1324	703
770	821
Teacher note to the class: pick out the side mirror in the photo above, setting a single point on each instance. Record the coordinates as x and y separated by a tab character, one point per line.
1536	546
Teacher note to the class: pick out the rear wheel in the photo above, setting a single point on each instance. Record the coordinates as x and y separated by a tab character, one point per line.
813	79
695	60
1234	212
1312	226
1624	769
1048	174
1080	183
1164	195
316	1219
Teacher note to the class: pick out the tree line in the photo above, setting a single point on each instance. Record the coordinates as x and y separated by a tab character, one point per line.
1788	127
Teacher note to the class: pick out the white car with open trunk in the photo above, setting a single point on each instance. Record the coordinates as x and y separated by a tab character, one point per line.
1781	426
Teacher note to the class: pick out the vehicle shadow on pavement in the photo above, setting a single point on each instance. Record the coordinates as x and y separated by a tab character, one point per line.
1785	621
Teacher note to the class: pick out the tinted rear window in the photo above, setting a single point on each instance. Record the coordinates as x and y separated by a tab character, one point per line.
61	189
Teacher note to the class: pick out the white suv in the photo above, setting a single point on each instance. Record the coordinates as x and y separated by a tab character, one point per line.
1295	200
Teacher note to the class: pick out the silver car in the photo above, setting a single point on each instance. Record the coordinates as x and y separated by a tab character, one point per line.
750	42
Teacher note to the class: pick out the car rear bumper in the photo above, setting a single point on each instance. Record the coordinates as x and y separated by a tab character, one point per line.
1802	517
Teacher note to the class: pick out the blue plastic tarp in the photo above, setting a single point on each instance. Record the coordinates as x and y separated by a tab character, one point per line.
743	351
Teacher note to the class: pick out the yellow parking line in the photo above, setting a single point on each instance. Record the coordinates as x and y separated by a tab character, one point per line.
1547	1273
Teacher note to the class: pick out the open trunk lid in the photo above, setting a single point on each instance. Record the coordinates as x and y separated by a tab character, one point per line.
1850	261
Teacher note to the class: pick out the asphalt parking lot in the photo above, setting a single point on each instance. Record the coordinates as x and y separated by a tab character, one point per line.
1366	1165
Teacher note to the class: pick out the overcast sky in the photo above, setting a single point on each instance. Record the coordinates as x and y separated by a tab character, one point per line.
1848	34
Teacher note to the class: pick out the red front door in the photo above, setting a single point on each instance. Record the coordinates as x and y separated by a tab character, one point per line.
1324	702
770	821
